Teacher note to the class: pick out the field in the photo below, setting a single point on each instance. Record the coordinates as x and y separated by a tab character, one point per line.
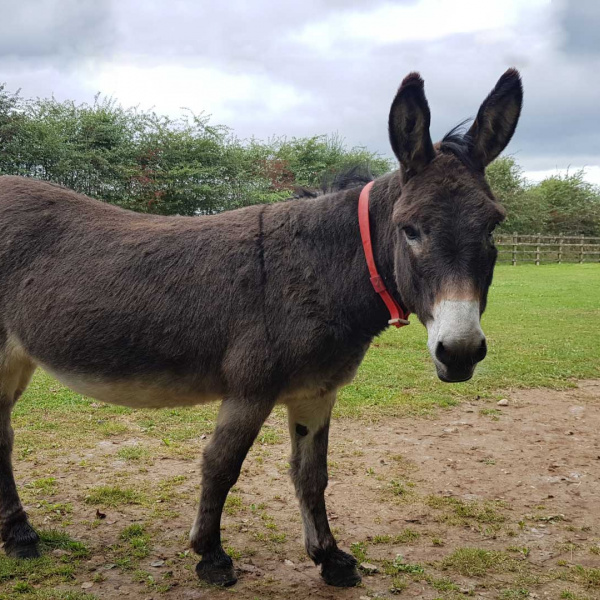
442	491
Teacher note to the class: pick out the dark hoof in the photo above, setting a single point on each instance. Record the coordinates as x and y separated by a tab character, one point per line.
339	569
14	550
216	569
21	541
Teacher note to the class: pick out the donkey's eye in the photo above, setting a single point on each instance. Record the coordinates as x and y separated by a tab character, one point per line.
411	233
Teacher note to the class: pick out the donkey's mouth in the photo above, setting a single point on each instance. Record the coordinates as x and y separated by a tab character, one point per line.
454	379
455	373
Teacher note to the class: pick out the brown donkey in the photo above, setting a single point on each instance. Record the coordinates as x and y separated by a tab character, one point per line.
256	306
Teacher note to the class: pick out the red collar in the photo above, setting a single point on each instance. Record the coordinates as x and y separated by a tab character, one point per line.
397	316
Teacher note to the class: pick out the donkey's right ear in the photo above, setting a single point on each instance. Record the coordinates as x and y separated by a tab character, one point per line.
409	126
497	119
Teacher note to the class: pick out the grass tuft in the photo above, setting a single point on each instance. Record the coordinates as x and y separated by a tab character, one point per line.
108	495
475	562
132	453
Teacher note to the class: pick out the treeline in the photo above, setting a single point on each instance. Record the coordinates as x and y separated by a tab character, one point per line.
559	204
151	163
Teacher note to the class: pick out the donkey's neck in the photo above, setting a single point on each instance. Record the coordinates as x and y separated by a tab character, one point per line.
335	224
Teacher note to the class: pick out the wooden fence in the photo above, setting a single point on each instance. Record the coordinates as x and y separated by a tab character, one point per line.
539	249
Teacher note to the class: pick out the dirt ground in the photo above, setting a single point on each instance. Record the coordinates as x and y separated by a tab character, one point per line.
481	500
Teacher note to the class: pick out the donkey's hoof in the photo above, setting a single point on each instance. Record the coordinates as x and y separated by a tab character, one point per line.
339	569
14	550
21	541
216	573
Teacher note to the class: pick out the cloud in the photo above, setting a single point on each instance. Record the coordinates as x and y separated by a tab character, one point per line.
321	66
54	30
580	20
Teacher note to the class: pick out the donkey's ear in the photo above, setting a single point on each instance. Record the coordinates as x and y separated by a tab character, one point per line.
497	119
409	126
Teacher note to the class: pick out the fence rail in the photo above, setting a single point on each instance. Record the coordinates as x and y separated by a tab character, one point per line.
538	249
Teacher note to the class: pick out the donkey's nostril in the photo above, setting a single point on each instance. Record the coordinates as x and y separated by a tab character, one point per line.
442	354
481	352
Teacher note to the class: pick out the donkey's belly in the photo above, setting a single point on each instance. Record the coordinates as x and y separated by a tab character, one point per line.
158	392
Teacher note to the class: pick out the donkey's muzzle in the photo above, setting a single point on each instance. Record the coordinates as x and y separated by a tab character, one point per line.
455	339
457	360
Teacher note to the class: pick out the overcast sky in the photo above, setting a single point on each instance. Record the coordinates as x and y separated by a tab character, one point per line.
269	67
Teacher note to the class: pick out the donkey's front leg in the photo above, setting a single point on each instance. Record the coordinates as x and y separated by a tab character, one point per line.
309	430
238	425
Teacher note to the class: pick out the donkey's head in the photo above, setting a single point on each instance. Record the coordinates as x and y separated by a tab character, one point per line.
444	218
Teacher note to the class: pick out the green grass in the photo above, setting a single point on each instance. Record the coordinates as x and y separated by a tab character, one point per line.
24	591
460	512
108	495
132	453
475	562
589	577
406	537
138	541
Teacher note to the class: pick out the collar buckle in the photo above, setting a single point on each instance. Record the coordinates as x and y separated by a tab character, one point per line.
398	322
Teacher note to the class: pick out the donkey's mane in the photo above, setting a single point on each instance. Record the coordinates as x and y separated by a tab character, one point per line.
458	142
348	178
351	177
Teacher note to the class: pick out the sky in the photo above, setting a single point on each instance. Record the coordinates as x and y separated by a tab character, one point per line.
270	68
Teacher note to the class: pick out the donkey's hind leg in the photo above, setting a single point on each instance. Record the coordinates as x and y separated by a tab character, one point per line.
309	430
238	425
20	539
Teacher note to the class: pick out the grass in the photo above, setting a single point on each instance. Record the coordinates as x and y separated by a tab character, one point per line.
108	495
132	453
398	566
137	541
461	513
406	537
359	551
589	577
475	562
24	591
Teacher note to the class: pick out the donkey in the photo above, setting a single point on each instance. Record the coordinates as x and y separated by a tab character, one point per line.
258	306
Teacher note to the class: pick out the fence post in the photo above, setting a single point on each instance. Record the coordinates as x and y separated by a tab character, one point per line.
560	247
514	252
581	250
537	251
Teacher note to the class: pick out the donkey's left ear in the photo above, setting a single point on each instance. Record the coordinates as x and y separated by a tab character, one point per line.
497	119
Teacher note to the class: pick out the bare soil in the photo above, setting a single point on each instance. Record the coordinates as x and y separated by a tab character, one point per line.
521	479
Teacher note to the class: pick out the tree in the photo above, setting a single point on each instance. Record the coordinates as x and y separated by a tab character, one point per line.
559	204
571	205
